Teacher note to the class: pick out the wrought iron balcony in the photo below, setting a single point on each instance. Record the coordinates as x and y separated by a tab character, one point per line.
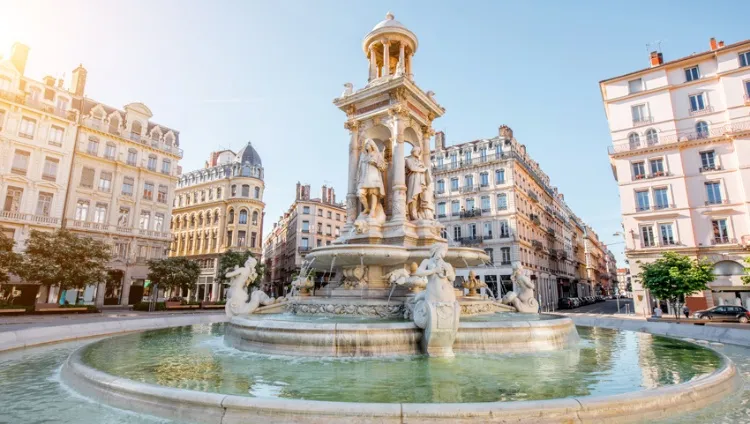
723	240
471	213
536	244
706	110
710	168
683	136
533	196
469	189
550	231
470	241
717	202
304	249
535	219
643	120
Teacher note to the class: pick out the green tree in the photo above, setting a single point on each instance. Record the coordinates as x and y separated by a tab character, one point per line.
64	259
674	276
9	260
230	259
746	278
173	273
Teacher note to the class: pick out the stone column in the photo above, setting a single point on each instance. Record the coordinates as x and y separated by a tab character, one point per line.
401	67
398	184
351	196
386	58
373	64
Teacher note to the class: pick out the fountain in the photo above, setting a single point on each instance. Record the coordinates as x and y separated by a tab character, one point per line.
415	349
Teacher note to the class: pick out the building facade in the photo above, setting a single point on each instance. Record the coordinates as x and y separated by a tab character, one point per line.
88	167
679	153
490	194
217	209
309	223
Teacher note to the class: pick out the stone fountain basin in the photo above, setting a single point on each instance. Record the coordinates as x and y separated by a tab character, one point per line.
386	255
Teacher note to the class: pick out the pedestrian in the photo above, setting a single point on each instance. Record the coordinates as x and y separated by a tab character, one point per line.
686	311
657	311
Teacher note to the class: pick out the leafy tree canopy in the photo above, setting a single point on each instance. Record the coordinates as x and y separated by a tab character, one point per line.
230	259
673	276
9	260
173	273
65	259
746	278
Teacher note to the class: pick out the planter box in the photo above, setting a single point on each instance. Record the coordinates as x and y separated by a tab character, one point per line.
12	311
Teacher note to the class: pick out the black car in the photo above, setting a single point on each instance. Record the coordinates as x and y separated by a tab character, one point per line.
566	303
724	313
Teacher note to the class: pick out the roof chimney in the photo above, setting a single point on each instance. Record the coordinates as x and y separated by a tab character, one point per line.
18	55
49	81
721	44
78	85
712	43
439	140
656	59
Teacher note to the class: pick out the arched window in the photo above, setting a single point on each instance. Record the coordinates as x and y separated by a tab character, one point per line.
243	217
200	220
169	139
216	216
728	268
136	128
155	134
635	140
192	221
245	190
652	137
701	128
255	218
231	217
257	192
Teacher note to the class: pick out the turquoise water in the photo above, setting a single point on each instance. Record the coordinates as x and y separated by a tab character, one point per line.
508	316
324	319
605	362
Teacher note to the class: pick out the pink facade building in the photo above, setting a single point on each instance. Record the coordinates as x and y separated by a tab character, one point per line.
681	157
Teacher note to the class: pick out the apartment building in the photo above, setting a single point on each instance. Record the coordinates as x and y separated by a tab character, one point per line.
680	155
72	162
309	223
492	195
217	209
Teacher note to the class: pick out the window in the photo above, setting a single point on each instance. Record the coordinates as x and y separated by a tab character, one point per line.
158	221
456	233
635	86
697	102
467	157
744	59
320	228
337	231
665	232
505	255
692	74
640	114
320	212
306	210
504	229
441	210
484	179
243	217
440	161
470	204
652	137
455	207
472	231
657	167
256	192
454	160
144	221
721	235
28	126
454	184
634	140
469	181
105	181
230	220
329	215
713	193
701	129
747	97
338	217
708	160
148	191
127	186
441	186
56	135
49	173
485	203
121	250
305	243
218	192
328	230
233	190
253	237
61	105
151	165
647	236
87	177
641	198
487	230
132	157
44	204
638	171
13	199
20	162
109	150
255	218
82	210
502	201
161	195
245	190
305	226
500	176
661	199
483	154
100	213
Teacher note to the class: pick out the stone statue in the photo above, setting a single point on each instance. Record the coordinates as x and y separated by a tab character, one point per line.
370	187
403	277
348	89
417	181
473	283
302	285
524	301
237	303
436	309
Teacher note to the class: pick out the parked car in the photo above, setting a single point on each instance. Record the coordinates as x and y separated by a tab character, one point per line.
576	302
600	298
724	313
566	303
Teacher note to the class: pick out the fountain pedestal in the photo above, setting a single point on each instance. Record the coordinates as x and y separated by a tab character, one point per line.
440	323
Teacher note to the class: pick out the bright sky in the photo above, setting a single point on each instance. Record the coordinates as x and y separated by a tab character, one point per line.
225	72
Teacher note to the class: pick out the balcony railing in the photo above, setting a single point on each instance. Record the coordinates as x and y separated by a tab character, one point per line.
304	249
470	241
703	169
27	217
471	213
535	219
658	174
717	202
643	120
533	196
469	189
550	231
662	206
684	136
536	244
706	110
441	215
723	240
642	208
487	236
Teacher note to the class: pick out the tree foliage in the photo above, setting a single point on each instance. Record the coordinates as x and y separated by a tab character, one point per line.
173	273
9	260
674	276
64	259
746	278
230	259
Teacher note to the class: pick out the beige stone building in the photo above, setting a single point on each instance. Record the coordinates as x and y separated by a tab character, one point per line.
309	223
217	209
71	162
